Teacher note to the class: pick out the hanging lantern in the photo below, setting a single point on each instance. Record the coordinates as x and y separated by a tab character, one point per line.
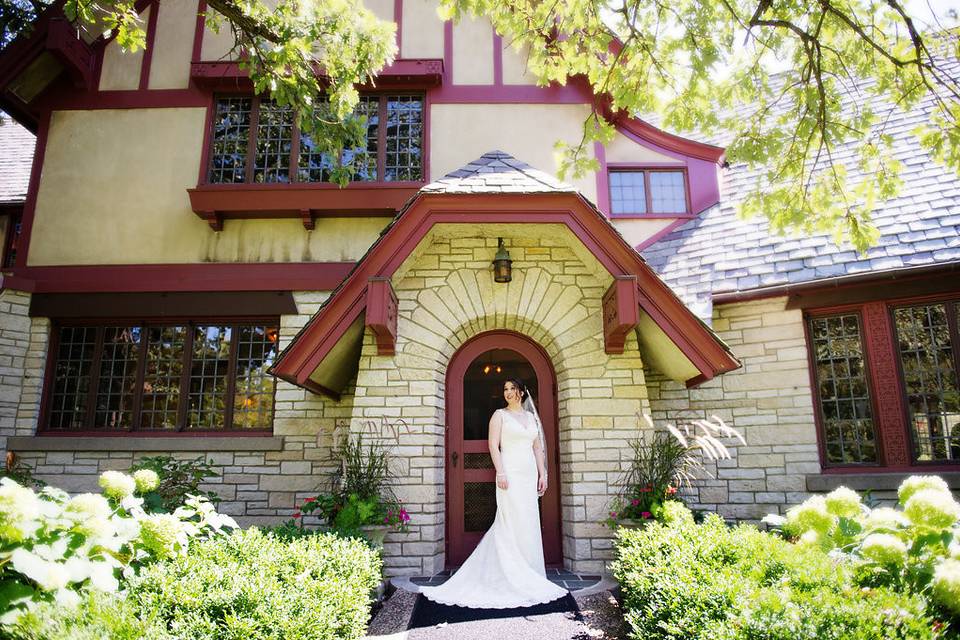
502	271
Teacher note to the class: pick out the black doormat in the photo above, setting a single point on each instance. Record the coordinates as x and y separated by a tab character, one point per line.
427	613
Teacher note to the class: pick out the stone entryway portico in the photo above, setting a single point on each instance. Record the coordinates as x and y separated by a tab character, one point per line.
580	296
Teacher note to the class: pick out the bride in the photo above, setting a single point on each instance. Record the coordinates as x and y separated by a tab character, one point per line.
506	569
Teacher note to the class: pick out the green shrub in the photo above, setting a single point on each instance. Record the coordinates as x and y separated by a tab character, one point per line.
709	581
252	586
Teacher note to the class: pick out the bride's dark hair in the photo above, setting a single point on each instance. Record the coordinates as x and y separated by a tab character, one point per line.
522	388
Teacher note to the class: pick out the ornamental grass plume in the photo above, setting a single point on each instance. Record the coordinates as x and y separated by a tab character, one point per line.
914	484
946	584
932	508
884	548
811	515
117	485
19	510
146	480
843	502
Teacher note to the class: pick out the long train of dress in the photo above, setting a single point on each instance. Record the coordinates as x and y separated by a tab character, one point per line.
506	569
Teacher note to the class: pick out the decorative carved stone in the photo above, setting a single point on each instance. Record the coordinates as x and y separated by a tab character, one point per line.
621	312
382	314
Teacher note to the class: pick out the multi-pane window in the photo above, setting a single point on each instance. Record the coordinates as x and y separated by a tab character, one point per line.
277	151
164	377
648	191
927	340
14	224
844	399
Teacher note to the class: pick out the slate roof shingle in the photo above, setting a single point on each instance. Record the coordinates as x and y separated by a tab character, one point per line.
16	159
497	172
919	227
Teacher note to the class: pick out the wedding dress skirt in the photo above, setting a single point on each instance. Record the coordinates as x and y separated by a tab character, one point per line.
506	569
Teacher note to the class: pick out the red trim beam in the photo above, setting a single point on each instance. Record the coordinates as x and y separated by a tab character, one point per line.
382	314
621	312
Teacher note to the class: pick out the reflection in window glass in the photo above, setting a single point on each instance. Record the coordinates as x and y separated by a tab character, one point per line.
231	131
253	398
930	380
208	377
404	133
161	382
68	400
117	390
846	413
365	158
274	143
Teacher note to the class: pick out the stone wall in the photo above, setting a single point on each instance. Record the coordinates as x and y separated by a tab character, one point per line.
769	401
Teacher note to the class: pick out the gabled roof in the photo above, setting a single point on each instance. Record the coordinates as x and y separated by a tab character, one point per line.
16	159
919	228
495	188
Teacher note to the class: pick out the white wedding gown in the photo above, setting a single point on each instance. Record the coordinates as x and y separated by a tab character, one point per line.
506	569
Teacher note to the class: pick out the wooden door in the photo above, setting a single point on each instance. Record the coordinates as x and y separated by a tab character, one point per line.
474	387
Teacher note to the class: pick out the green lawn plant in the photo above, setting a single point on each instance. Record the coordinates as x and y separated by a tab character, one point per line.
178	479
683	581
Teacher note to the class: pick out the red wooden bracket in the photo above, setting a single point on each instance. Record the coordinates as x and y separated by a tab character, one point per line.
382	314
306	217
75	55
621	312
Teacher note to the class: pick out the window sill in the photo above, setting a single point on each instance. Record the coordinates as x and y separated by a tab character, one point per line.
651	216
215	203
56	442
888	481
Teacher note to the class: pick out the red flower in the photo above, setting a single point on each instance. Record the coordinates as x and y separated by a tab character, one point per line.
296	514
635	502
386	519
308	500
671	490
646	515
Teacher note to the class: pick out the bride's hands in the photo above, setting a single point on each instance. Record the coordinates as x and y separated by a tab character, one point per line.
502	481
542	485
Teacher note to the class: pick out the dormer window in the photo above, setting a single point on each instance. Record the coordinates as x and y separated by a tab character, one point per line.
256	141
661	192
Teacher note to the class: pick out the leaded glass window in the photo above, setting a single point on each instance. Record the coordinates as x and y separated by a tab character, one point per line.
844	397
648	191
147	377
926	338
256	140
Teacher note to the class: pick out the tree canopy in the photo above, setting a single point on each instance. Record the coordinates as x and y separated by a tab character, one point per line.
800	89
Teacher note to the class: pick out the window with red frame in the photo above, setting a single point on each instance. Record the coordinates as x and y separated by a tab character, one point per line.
254	140
925	342
648	191
928	345
162	377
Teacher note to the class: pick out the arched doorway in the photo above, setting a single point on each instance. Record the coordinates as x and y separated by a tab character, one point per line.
474	390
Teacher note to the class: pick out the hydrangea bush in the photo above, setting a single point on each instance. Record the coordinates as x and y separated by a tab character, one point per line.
54	547
913	549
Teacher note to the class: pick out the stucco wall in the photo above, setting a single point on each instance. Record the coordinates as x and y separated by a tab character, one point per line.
460	133
131	205
769	401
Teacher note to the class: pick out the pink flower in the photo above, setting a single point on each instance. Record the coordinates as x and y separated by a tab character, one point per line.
613	514
386	519
635	502
646	515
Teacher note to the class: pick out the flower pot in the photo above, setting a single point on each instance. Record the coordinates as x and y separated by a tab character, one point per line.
375	533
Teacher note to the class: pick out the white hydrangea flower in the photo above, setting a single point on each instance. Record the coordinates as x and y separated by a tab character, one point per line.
117	485
885	518
20	509
49	576
87	505
918	483
932	508
811	515
946	584
884	548
161	534
843	502
146	480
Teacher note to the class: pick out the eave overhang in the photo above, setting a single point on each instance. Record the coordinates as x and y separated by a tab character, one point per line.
663	317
